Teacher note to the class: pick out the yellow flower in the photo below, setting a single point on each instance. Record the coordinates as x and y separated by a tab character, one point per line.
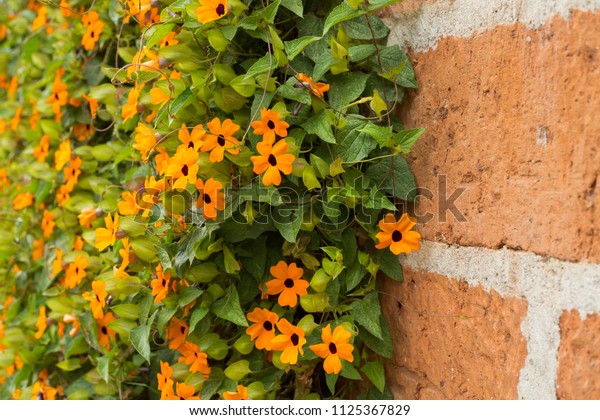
158	97
130	109
107	236
128	205
63	155
210	10
145	140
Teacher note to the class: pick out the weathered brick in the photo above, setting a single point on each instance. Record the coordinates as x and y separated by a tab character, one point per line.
511	117
451	340
578	374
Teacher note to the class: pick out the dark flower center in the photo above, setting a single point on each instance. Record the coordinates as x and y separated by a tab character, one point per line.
182	329
98	299
268	325
76	270
56	96
221	140
289	283
164	282
92	34
396	236
184	170
104	330
191	145
295	339
271	125
272	160
332	348
220	9
206	198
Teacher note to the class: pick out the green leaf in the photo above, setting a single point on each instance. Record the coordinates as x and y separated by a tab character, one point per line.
294	6
404	140
188	294
331	381
376	374
157	33
320	125
349	371
381	135
197	316
377	200
359	29
262	65
231	264
163	257
341	13
389	264
354	275
393	176
296	46
140	339
228	308
288	91
287	222
345	88
69	365
366	313
353	145
183	99
361	52
103	367
270	11
244	86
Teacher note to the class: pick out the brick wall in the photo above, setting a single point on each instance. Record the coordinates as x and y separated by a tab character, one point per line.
503	299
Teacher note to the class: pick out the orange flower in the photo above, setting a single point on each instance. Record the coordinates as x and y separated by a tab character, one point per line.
166	371
263	329
38	249
271	161
23	200
177	333
89	18
316	88
48	223
194	358
210	198
290	342
107	236
169	39
161	159
398	235
72	172
211	10
183	168
88	215
92	35
83	131
4	181
78	243
191	141
12	87
130	109
288	283
269	125
241	394
128	205
160	285
93	105
63	155
62	195
104	332
158	97
57	264
68	319
76	272
40	20
41	152
222	139
16	120
98	301
335	346
41	323
145	140
124	253
185	392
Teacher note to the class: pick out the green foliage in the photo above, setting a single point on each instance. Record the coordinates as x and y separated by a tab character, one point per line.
167	171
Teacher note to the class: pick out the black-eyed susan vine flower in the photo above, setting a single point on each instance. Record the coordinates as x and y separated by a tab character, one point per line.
220	139
270	125
397	234
335	347
290	342
263	329
288	283
241	393
210	198
210	10
107	236
272	161
98	299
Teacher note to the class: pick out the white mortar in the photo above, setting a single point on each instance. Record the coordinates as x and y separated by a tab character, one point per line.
423	28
